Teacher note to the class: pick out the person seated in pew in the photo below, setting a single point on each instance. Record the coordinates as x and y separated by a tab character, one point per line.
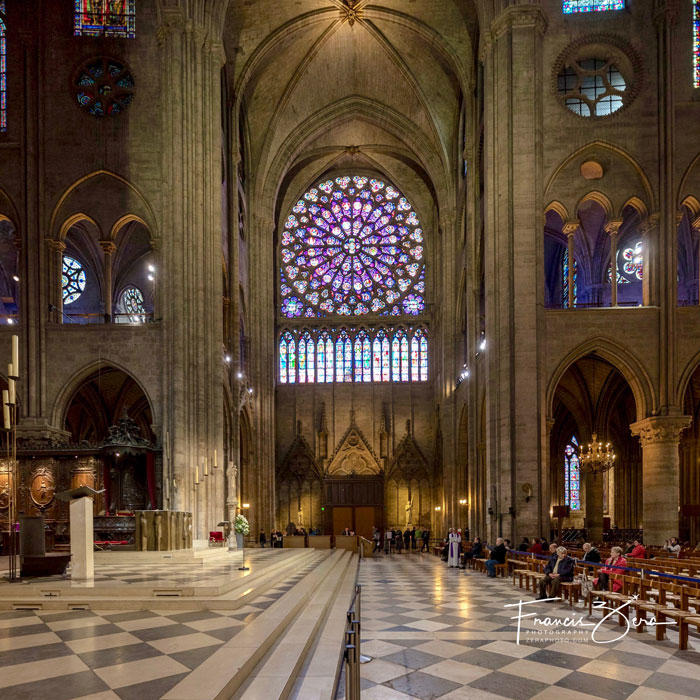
476	551
590	553
498	556
610	576
524	546
629	546
639	550
559	569
673	546
536	547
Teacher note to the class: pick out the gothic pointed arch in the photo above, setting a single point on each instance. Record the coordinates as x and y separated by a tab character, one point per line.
354	455
299	463
409	462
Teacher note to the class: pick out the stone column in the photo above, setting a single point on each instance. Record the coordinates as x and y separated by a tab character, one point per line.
569	229
513	258
594	506
56	249
612	228
650	274
660	437
108	249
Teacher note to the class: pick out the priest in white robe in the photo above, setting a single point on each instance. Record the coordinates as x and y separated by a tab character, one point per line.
454	539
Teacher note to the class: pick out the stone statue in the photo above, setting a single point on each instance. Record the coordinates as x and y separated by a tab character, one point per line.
300	518
409	511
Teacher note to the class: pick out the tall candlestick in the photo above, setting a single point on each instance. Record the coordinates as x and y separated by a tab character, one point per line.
216	462
6	408
167	446
15	355
196	474
11	391
205	469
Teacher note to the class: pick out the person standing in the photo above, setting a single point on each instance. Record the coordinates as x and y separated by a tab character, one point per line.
399	541
425	536
387	541
262	539
414	534
407	538
454	540
377	538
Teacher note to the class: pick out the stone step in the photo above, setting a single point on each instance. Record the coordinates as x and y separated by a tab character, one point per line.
240	591
223	673
274	676
318	676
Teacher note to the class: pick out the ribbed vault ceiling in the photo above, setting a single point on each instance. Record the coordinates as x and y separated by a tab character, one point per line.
315	77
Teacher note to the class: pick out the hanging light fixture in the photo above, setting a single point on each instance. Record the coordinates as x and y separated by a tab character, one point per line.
597	458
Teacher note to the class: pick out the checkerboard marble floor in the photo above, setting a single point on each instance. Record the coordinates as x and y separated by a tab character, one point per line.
134	655
444	633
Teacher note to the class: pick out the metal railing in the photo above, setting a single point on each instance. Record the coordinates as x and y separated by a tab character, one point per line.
352	657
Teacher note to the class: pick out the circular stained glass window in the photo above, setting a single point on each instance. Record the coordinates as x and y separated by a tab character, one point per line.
133	304
72	280
104	87
352	246
591	87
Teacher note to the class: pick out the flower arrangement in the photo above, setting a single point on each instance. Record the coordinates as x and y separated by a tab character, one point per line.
241	526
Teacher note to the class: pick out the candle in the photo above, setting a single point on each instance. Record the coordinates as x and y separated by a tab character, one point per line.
6	408
196	474
205	469
11	391
15	355
167	446
216	462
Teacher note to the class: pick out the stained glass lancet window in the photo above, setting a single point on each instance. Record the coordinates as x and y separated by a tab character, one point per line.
351	355
352	246
3	69
572	475
630	264
572	6
131	302
72	280
696	43
110	18
565	280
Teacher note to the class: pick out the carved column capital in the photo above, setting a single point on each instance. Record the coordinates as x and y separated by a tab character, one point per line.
108	247
520	16
570	227
56	246
658	429
613	226
550	426
650	223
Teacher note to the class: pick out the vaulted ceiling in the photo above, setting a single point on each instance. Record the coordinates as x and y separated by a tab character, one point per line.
325	84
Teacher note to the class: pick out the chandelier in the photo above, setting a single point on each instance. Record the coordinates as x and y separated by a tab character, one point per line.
597	458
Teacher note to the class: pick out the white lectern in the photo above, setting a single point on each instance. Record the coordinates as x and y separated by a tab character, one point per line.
81	532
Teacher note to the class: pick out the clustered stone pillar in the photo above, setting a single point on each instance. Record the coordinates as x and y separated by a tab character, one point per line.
612	228
108	248
56	249
594	506
660	438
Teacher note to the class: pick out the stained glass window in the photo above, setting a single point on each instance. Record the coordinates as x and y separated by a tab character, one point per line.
110	18
104	87
572	6
3	69
696	43
131	302
353	355
572	475
352	246
592	87
72	280
630	263
565	280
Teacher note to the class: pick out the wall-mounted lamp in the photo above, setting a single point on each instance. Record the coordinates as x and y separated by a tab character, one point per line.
463	502
245	505
437	509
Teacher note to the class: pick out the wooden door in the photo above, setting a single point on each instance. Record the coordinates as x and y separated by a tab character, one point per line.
364	519
342	518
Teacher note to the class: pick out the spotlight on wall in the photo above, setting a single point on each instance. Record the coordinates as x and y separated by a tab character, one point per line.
10	321
250	389
482	345
151	278
227	358
464	374
15	278
239	375
151	268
